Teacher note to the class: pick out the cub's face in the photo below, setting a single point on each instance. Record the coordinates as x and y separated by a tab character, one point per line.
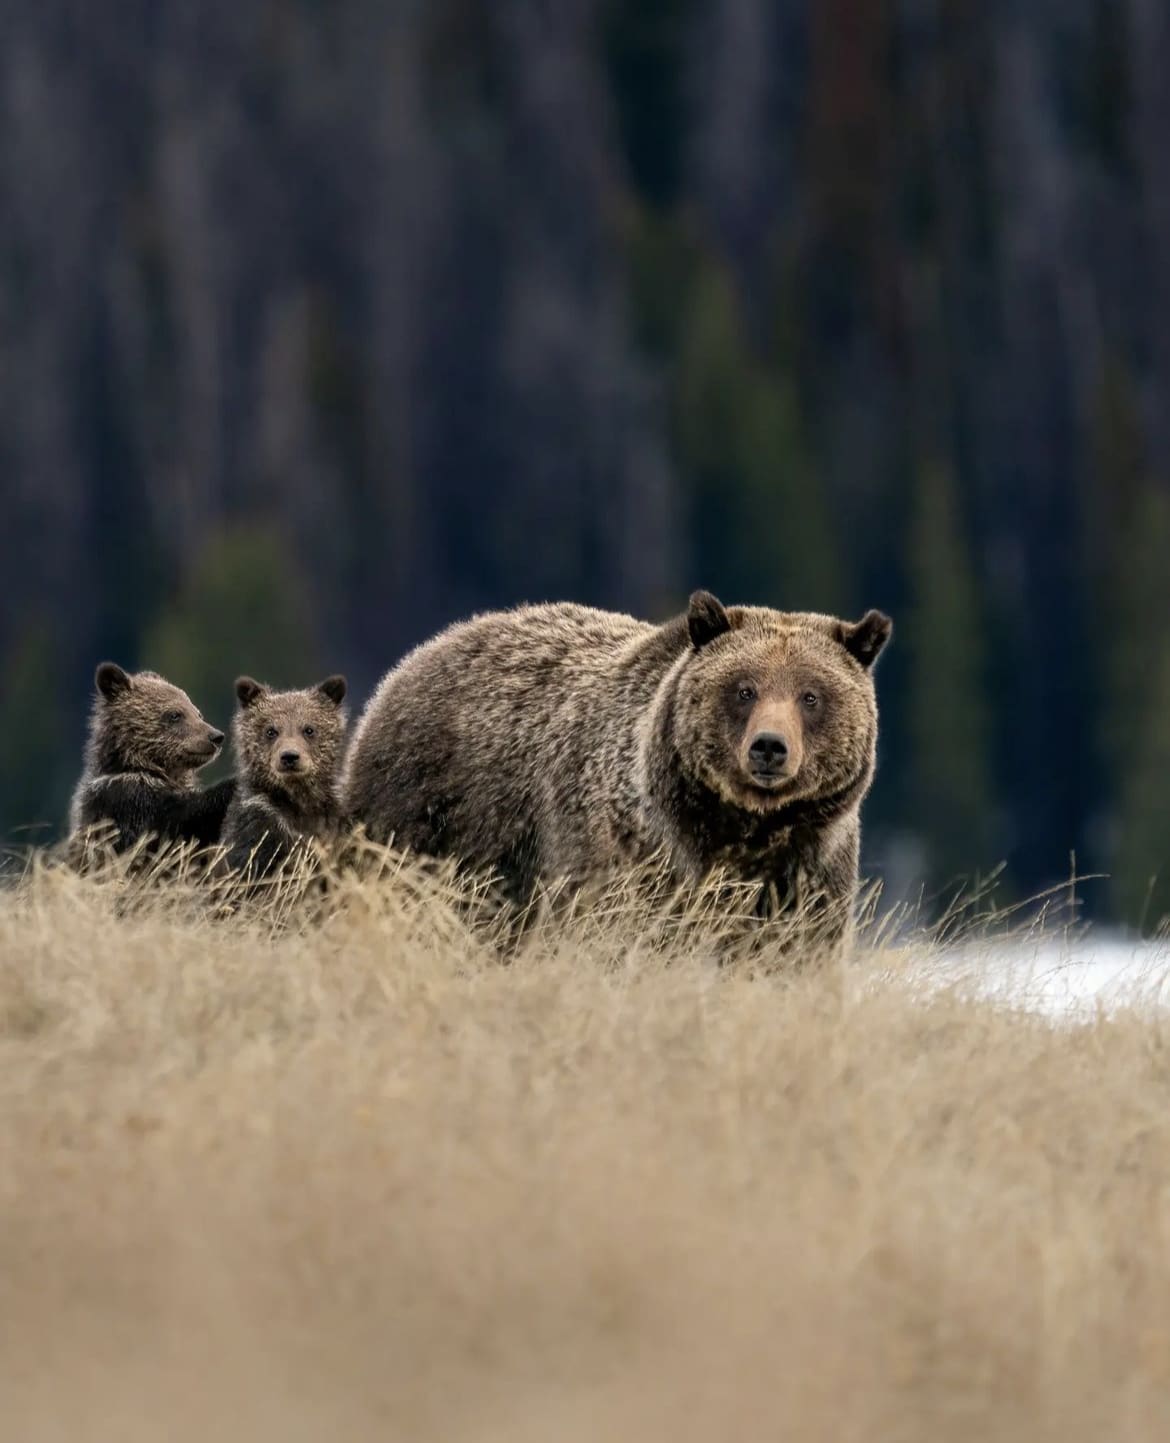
142	722
776	707
290	741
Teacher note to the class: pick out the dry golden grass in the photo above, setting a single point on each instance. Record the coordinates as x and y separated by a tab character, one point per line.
361	1181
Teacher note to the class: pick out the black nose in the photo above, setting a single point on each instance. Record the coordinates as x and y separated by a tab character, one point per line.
769	752
290	760
216	739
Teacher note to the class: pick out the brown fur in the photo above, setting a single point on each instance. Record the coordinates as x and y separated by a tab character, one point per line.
288	751
558	741
147	740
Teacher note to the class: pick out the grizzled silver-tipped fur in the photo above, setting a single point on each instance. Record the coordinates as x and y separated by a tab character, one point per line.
559	741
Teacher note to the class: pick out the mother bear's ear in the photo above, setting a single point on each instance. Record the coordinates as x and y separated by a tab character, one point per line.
864	639
706	619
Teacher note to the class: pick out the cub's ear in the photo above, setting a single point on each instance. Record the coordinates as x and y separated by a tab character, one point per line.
247	690
706	619
111	680
864	639
334	688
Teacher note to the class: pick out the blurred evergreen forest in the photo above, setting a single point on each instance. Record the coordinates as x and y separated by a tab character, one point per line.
324	322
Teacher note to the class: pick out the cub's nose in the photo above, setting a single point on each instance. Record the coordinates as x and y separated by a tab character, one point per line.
768	752
290	761
216	739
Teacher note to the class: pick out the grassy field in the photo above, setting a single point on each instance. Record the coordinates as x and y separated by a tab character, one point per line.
361	1181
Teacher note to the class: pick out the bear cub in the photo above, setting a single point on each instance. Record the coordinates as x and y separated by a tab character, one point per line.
146	742
288	750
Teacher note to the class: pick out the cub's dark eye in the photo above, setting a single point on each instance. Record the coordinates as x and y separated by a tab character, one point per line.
747	693
810	701
271	733
173	716
310	731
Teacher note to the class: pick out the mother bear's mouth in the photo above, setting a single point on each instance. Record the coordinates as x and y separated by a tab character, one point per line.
770	780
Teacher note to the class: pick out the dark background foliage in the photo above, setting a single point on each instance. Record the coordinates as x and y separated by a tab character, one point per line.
323	322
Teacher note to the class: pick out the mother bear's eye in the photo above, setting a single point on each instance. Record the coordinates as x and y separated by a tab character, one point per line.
747	692
810	701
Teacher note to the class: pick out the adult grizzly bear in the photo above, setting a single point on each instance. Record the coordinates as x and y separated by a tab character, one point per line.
558	741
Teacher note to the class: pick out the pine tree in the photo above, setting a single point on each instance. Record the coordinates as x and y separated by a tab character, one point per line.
36	769
788	549
242	610
1141	869
1136	712
951	795
1139	593
760	519
711	374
